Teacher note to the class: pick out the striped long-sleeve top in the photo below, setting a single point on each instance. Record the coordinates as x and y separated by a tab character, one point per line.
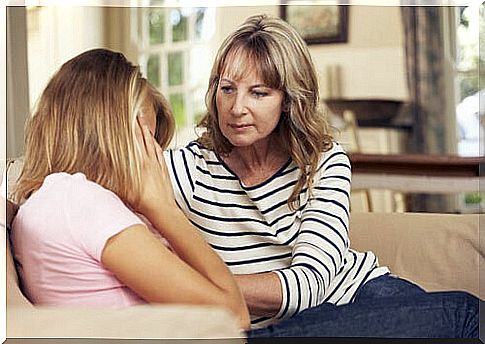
253	229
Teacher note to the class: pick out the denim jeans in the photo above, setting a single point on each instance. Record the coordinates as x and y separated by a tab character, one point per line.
386	306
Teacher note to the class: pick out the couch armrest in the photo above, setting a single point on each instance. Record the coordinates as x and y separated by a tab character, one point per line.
141	322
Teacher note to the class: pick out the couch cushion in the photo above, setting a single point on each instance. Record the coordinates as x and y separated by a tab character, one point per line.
437	251
14	295
14	168
140	322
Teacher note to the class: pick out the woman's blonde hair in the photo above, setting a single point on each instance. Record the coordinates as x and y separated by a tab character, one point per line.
85	122
276	52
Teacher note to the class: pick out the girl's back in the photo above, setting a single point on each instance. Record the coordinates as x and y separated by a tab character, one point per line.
58	236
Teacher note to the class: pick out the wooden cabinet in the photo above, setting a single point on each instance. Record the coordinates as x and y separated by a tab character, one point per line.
373	140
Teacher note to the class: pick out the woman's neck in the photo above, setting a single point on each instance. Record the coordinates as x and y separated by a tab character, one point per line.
256	163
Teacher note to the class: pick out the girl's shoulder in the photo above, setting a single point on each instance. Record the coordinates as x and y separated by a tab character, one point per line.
71	198
76	188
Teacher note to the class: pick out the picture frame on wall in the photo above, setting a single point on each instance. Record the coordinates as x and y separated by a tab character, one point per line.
317	24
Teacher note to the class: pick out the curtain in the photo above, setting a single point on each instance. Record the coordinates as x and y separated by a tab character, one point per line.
425	64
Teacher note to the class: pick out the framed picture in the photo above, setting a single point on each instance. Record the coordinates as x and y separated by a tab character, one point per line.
317	23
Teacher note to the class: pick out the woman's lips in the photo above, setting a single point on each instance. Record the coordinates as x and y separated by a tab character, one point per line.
241	126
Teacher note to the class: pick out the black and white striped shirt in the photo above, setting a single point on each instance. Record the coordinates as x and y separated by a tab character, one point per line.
253	229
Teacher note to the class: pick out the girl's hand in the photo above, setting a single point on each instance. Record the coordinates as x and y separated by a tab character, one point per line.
156	194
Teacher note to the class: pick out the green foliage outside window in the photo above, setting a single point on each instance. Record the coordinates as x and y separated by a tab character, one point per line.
468	58
481	45
156	17
198	116
175	68
199	21
178	108
469	84
179	25
153	70
473	198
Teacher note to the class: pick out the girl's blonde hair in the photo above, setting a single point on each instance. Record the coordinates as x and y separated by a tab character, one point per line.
85	122
276	52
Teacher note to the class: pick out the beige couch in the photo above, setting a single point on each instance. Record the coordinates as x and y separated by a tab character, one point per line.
438	251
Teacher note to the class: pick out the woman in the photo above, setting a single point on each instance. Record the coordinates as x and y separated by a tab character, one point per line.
269	190
93	210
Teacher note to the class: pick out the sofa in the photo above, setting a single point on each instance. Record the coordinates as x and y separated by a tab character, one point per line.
437	251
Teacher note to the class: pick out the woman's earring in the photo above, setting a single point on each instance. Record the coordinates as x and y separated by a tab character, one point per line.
286	108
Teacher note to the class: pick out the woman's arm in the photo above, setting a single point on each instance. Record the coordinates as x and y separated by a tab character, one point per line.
262	292
194	274
318	252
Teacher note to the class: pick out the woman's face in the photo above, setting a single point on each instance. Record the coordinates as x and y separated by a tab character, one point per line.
248	109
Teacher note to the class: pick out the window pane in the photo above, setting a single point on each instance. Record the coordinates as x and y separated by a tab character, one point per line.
156	18
468	84
204	24
175	68
467	35
178	108
469	120
198	104
153	70
200	65
179	23
199	22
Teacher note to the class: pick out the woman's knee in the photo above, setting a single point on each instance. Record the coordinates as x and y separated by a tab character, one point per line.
387	286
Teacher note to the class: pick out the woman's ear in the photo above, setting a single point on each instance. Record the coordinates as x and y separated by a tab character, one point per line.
285	110
286	106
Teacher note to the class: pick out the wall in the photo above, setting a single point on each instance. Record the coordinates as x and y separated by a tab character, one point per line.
371	63
40	39
3	98
56	34
17	104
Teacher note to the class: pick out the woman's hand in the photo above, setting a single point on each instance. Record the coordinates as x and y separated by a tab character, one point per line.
156	193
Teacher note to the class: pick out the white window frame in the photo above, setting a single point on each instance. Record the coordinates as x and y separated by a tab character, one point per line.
452	22
188	88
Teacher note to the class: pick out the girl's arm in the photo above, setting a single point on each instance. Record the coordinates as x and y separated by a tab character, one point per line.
194	274
159	276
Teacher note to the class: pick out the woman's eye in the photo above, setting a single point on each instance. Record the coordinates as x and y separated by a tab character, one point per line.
260	94
226	89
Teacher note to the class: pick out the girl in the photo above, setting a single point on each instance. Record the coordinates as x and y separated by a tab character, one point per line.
96	198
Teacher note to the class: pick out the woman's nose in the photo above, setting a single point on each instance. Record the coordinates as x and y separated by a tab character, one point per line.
239	105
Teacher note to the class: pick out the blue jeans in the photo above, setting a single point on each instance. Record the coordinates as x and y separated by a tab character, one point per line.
386	306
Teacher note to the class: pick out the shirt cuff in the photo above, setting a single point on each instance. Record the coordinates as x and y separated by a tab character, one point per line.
283	311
